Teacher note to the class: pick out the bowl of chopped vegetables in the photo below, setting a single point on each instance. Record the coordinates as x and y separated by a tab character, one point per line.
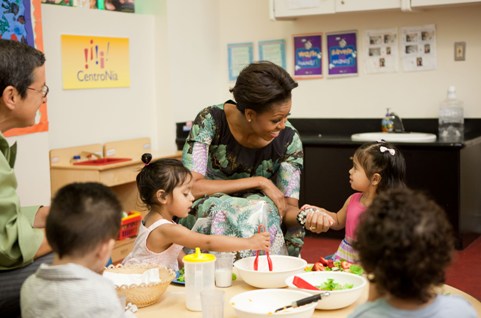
344	288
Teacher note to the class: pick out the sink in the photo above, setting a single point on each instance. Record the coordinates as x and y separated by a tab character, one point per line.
101	161
394	137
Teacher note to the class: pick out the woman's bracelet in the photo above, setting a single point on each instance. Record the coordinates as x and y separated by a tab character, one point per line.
301	217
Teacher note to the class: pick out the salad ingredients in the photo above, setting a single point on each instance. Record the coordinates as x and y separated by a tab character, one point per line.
180	277
331	265
330	284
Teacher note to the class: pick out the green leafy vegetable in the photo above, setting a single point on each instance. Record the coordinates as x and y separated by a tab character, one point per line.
356	269
181	277
330	284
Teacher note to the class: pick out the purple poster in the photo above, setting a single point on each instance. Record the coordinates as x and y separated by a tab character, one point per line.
342	53
308	55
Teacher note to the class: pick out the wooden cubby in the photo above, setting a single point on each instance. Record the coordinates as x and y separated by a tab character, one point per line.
120	176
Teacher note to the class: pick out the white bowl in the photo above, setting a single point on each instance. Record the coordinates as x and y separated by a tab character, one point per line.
264	302
282	267
337	298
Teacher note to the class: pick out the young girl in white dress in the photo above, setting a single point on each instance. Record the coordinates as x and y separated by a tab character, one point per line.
165	188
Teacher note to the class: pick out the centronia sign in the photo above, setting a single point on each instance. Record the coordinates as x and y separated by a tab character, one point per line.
95	62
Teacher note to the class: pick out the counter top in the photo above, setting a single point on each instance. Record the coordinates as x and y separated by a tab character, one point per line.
109	166
338	131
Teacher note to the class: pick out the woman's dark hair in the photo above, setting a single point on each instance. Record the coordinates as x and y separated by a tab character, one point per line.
385	159
261	85
82	215
17	63
405	242
161	174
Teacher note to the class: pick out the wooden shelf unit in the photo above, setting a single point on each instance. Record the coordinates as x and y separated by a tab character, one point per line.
120	177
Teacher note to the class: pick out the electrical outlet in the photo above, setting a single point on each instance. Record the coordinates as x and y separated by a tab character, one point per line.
459	51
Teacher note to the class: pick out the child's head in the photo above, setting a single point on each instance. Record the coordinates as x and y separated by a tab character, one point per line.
82	216
384	159
405	242
160	178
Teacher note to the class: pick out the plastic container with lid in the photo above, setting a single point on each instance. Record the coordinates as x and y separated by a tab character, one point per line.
199	275
451	118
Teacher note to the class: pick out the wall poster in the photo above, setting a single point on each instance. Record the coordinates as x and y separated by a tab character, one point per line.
307	55
94	62
273	51
418	46
381	51
22	21
342	53
239	55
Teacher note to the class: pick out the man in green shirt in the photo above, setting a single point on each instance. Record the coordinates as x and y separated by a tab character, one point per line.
23	245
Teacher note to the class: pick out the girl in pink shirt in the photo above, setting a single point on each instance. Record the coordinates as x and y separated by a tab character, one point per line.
377	166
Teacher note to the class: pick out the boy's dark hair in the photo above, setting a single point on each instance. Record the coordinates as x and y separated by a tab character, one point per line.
17	63
405	240
161	174
82	215
387	161
261	85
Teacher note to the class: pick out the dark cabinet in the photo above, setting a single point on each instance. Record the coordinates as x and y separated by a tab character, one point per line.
450	175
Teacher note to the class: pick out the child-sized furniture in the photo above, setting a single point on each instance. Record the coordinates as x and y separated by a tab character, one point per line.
99	163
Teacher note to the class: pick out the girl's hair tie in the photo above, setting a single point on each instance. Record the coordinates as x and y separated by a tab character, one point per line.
146	158
383	149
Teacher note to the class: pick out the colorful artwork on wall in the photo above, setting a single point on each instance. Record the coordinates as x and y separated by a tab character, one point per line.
342	53
307	55
21	20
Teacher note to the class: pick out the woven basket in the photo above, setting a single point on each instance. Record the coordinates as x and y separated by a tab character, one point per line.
144	294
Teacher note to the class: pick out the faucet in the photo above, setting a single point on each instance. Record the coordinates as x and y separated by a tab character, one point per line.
397	123
89	155
392	123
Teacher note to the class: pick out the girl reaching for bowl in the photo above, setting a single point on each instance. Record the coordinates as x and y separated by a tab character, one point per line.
165	188
377	166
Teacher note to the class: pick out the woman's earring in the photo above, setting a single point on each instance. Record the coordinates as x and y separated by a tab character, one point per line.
249	120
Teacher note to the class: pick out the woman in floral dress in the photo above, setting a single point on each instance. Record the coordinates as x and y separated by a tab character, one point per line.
246	159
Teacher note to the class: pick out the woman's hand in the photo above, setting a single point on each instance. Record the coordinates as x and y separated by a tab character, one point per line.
261	241
318	219
40	220
273	192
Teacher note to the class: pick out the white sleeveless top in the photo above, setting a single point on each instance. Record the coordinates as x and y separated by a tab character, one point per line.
141	254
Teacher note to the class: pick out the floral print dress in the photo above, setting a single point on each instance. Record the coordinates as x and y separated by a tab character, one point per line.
212	151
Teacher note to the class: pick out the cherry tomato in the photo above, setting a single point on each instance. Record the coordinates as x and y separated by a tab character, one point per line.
323	261
330	263
317	267
345	265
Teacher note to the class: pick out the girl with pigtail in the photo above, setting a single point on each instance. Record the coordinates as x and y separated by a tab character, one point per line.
377	166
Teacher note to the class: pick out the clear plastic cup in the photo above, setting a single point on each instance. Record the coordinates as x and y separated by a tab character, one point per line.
223	269
212	303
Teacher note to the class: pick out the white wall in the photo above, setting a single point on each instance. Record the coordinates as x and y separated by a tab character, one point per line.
410	94
88	116
190	61
32	168
178	59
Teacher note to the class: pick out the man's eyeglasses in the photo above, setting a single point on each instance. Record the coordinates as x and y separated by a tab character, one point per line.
44	90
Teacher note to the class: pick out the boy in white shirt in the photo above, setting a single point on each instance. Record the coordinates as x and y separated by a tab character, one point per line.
83	223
